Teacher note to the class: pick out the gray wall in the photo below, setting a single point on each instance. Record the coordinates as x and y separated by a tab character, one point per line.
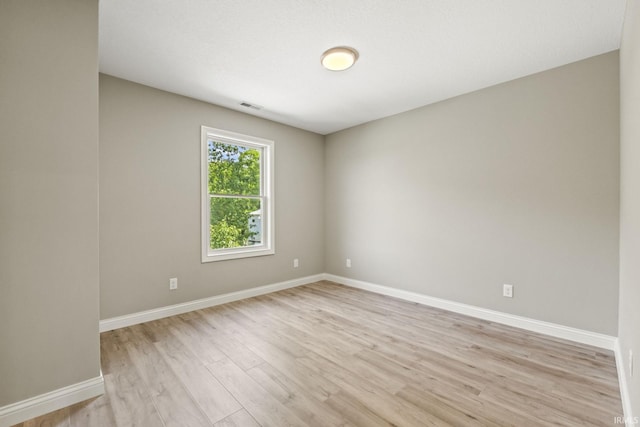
629	327
150	200
517	183
49	191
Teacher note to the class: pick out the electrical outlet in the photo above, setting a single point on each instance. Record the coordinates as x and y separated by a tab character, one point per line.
296	263
507	291
173	284
348	263
631	363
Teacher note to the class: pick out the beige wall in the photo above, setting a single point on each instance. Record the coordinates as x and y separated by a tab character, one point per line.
48	187
629	327
150	200
517	183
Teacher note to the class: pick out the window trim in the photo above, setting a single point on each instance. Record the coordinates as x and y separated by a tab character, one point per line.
266	193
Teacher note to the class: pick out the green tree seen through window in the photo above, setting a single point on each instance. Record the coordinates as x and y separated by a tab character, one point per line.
234	184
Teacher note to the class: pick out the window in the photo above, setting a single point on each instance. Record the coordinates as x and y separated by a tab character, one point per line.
237	195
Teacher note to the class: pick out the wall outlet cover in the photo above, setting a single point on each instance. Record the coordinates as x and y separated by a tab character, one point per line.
507	291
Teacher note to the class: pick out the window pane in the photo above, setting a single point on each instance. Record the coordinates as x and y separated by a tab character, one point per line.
237	190
235	222
233	169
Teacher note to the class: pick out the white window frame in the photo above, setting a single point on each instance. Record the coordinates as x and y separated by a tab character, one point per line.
267	148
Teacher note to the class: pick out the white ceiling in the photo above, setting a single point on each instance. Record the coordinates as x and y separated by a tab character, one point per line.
412	52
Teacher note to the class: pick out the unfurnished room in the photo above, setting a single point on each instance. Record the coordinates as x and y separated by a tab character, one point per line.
319	213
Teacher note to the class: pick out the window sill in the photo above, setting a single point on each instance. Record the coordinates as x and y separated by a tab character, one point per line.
225	255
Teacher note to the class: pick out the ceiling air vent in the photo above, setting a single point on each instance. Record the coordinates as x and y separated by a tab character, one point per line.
249	105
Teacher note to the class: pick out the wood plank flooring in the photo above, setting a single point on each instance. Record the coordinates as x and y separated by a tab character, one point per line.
328	355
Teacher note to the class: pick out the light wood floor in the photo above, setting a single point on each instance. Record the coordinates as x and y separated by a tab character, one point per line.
328	355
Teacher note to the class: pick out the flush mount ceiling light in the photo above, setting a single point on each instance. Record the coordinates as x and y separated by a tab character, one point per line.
339	58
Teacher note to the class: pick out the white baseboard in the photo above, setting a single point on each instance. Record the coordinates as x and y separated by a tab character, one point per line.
552	329
39	405
172	310
624	388
547	328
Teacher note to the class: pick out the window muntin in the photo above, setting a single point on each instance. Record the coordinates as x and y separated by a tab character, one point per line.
237	195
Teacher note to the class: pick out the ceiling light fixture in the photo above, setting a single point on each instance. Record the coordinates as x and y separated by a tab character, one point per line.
339	58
